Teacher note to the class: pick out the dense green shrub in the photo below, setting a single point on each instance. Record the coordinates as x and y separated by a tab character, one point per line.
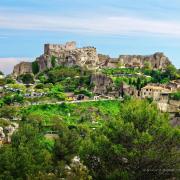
60	73
53	61
138	144
35	67
1	73
175	96
27	78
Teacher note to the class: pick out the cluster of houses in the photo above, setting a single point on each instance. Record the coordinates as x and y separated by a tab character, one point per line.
152	90
30	94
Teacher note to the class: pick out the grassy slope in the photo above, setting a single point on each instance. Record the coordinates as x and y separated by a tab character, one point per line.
89	113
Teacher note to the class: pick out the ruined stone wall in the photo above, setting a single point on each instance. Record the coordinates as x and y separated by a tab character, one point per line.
56	49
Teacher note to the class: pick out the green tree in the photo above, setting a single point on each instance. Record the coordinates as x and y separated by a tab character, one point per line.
8	112
53	61
140	144
175	96
1	73
8	99
147	65
35	67
18	98
10	80
171	71
138	83
26	156
27	78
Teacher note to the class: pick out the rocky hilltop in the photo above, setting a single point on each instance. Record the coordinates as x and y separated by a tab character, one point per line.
22	68
68	55
86	57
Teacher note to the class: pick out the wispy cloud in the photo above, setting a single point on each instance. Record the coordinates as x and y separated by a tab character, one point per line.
96	24
7	64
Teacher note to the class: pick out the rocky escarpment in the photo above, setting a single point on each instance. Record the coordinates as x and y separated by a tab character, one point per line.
156	61
22	68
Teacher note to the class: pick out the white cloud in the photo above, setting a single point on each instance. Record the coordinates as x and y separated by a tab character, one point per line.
99	24
7	64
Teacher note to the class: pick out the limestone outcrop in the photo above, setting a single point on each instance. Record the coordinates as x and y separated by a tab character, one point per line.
103	85
156	61
103	60
22	68
170	107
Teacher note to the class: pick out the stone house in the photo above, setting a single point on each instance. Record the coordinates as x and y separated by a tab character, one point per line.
155	92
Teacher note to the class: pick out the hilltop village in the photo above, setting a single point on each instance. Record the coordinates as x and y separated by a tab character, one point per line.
51	109
150	76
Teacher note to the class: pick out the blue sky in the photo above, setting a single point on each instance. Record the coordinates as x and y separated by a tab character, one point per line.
113	26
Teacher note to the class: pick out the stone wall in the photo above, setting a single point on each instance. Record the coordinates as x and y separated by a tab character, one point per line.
56	49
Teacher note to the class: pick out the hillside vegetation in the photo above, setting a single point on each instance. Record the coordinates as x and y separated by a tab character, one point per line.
114	140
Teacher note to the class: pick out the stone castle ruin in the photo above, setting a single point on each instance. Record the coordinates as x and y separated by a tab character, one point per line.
87	57
57	48
68	55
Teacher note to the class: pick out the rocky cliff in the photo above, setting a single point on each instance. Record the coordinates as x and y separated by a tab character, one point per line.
103	85
156	61
22	68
